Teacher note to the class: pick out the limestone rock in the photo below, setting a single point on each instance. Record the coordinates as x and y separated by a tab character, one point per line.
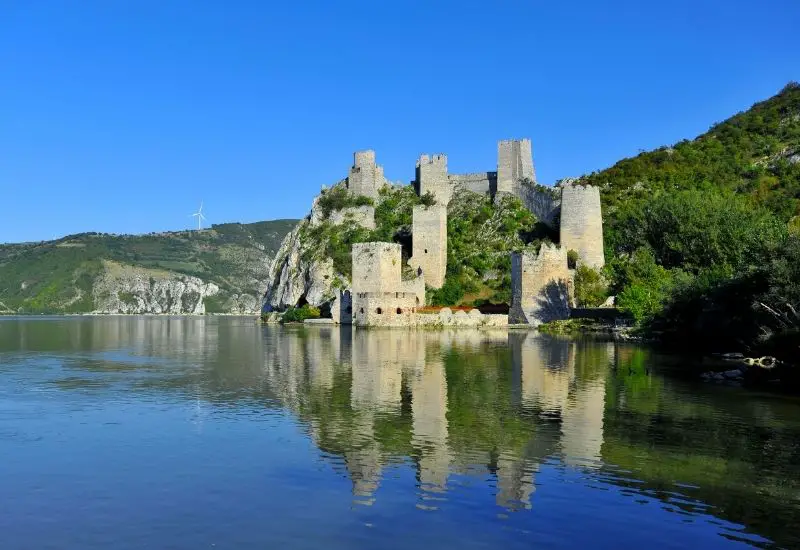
129	289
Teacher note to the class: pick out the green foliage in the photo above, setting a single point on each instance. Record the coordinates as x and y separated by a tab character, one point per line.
300	314
338	198
572	259
450	294
748	154
755	310
481	236
58	276
694	229
393	214
643	286
591	290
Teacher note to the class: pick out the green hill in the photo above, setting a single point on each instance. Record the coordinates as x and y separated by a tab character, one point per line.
754	153
224	268
703	238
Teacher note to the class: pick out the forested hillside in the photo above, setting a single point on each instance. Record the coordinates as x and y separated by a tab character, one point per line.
702	238
222	269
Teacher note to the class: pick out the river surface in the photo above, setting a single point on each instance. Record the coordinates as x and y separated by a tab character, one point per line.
157	432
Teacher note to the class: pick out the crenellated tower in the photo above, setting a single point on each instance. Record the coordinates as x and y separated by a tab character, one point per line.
365	177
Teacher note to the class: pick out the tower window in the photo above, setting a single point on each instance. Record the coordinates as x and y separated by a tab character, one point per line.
399	311
379	311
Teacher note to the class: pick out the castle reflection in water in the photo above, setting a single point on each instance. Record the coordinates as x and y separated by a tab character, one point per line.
457	404
371	398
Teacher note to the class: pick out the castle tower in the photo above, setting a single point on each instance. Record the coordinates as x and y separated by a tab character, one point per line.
430	243
365	177
380	297
376	267
540	286
431	177
514	163
582	223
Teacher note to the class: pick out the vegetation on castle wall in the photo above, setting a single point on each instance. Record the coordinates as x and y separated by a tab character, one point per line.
481	236
338	198
393	215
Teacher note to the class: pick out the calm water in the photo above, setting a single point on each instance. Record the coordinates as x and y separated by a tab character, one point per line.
129	432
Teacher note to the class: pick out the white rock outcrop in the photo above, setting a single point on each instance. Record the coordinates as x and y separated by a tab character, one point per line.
130	289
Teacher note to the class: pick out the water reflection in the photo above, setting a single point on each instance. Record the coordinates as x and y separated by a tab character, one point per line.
514	412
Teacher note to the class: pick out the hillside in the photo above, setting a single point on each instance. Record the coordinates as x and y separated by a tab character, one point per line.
754	153
218	270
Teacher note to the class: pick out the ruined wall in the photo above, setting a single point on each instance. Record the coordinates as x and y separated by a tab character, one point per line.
546	206
429	228
514	163
365	177
480	182
582	223
384	309
361	215
540	286
431	177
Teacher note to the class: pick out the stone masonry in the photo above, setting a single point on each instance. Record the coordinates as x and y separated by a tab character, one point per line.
541	286
380	297
541	283
431	177
365	177
582	223
430	243
514	163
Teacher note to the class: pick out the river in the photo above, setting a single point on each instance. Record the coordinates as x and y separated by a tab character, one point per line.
206	432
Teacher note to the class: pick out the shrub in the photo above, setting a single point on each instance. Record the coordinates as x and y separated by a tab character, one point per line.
337	198
591	290
300	314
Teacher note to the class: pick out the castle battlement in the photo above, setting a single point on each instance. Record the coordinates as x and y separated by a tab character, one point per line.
365	177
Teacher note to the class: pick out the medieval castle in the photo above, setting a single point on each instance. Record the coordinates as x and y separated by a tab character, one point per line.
541	283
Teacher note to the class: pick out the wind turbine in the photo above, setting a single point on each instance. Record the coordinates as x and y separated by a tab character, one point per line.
200	217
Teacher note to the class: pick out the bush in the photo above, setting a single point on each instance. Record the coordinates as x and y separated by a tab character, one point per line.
337	198
591	290
450	294
300	314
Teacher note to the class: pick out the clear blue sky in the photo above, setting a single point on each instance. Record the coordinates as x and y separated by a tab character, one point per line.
122	115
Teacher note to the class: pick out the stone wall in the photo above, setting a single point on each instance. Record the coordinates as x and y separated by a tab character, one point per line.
514	163
365	177
546	206
376	267
480	182
541	286
582	223
431	177
361	215
430	243
384	309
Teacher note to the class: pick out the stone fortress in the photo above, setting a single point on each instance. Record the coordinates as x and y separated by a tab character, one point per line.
542	283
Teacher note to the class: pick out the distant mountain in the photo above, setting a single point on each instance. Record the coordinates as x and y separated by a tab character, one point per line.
223	269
